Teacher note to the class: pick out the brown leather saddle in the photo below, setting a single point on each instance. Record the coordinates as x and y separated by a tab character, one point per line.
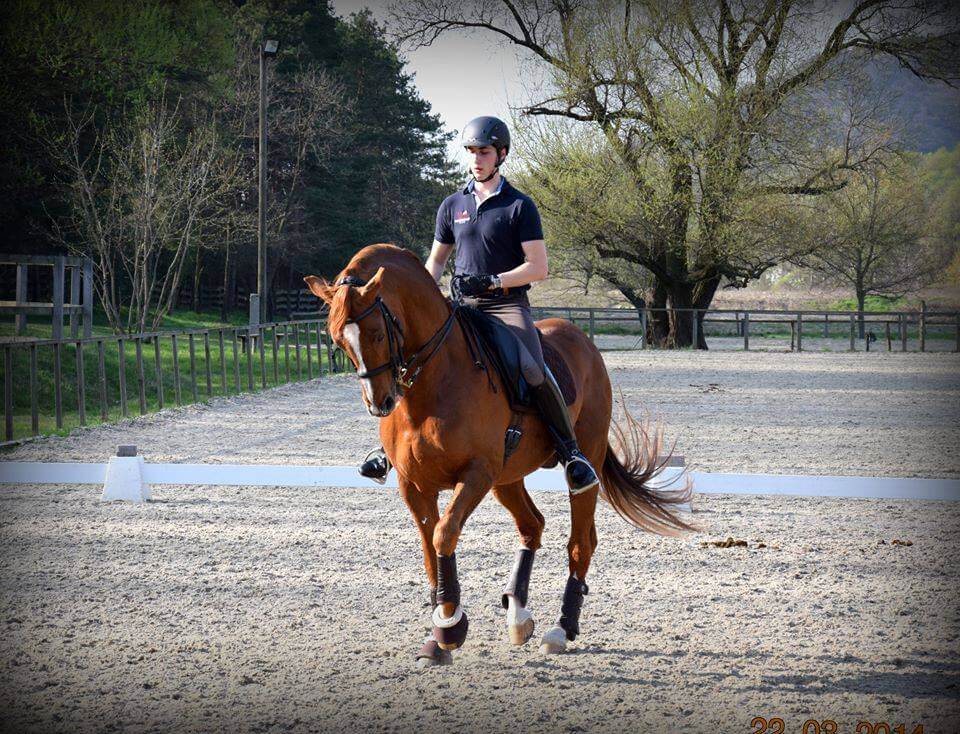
493	343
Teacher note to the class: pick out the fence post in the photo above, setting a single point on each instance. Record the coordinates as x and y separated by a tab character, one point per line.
102	379
8	393
826	326
956	347
59	273
21	297
34	412
886	325
853	333
87	298
254	315
643	329
694	329
81	385
903	332
746	331
74	301
923	326
799	332
591	326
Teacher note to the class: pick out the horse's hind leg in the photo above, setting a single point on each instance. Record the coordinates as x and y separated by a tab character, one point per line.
530	524
580	548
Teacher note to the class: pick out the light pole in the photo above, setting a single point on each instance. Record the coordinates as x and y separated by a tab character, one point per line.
267	49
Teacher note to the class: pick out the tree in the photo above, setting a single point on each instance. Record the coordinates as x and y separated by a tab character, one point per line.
355	154
138	197
941	177
385	185
107	58
701	118
876	236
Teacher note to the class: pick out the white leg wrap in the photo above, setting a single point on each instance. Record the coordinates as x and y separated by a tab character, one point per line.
443	622
555	636
516	614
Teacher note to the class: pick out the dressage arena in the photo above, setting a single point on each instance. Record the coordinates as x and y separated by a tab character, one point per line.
289	609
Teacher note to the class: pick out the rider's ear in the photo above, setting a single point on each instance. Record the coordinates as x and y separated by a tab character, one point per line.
320	288
373	286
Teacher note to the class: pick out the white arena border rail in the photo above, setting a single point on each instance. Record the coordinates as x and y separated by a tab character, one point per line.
128	477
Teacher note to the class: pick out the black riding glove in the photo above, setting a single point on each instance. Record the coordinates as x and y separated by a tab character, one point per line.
473	285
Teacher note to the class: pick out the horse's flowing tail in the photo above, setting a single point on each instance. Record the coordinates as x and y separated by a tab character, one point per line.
625	481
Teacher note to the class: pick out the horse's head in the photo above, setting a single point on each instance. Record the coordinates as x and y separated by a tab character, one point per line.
359	324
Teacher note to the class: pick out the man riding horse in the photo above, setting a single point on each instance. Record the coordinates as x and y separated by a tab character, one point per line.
500	251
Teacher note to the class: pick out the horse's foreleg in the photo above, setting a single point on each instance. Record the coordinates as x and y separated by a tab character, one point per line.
530	525
580	548
449	620
423	508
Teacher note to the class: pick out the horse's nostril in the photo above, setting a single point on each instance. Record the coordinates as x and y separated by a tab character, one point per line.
387	405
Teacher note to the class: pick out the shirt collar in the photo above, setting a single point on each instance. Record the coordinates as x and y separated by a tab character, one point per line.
468	189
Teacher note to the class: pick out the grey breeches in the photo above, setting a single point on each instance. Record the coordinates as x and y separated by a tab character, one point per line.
514	311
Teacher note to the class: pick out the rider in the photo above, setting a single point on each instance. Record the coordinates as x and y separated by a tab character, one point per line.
499	251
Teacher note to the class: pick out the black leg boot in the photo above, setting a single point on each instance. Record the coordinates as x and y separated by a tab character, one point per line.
376	466
580	475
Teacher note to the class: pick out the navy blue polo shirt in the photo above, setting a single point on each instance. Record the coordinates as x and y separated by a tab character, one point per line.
488	237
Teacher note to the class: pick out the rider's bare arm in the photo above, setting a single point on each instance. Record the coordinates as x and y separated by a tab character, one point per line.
439	254
533	269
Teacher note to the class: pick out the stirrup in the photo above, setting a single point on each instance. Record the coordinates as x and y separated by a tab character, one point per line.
586	481
376	466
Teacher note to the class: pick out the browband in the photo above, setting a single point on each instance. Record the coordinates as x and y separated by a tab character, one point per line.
351	280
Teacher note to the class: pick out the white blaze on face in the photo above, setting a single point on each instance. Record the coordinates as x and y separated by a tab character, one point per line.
351	334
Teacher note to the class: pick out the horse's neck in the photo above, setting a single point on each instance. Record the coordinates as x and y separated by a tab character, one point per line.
451	364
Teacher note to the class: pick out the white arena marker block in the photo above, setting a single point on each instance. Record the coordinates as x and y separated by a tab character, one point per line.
124	479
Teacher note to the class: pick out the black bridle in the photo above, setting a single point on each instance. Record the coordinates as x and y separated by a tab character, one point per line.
404	371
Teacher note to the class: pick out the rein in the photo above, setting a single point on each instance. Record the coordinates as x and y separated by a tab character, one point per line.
404	371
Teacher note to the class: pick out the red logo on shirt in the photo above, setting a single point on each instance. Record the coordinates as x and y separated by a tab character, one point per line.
462	218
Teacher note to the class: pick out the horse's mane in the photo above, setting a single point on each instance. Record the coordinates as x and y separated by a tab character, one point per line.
402	266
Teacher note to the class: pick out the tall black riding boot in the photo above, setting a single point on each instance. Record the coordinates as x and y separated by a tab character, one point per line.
376	466
580	475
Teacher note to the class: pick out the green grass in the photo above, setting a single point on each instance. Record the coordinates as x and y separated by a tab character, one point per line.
882	304
193	385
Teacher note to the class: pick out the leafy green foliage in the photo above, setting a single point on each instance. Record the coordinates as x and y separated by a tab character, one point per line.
375	172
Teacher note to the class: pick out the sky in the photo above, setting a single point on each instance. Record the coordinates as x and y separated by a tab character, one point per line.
462	75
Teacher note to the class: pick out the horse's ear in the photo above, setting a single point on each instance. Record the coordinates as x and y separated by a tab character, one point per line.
373	286
320	288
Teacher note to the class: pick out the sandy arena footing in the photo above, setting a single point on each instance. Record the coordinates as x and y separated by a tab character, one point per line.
225	608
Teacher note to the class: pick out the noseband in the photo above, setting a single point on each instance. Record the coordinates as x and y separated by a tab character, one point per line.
403	371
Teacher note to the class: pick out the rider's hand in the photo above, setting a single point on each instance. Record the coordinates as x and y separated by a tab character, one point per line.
474	285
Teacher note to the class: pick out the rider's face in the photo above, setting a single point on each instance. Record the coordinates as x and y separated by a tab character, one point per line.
482	159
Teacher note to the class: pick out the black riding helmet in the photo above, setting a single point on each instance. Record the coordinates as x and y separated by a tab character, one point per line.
485	130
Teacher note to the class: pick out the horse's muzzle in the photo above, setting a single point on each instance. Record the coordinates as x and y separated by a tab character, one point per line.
385	408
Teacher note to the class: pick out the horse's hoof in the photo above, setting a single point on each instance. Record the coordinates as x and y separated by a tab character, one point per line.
431	655
520	633
554	641
519	623
451	632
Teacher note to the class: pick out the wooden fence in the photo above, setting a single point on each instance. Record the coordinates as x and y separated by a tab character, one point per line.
79	307
51	385
889	329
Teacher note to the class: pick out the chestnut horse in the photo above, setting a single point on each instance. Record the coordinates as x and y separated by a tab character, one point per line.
442	424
